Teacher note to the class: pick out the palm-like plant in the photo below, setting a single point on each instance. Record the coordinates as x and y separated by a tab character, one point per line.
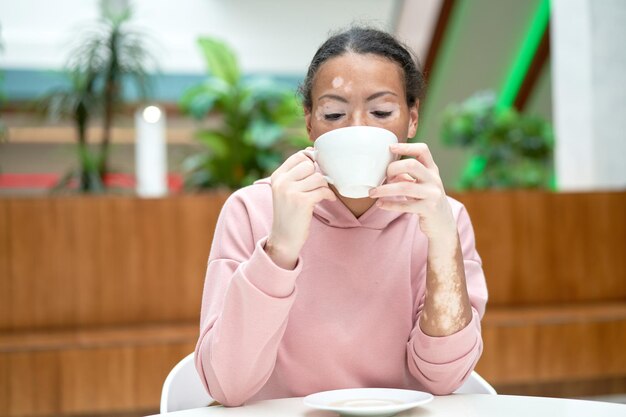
260	122
107	54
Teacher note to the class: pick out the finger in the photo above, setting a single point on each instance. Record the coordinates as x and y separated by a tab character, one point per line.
410	166
402	206
291	162
420	151
319	194
400	178
311	182
300	171
406	189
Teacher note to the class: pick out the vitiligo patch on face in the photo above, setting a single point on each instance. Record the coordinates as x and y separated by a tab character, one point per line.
337	82
394	108
319	113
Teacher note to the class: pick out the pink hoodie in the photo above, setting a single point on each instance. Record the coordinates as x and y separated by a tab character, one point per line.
346	317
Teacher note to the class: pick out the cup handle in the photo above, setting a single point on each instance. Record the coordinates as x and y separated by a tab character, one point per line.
312	155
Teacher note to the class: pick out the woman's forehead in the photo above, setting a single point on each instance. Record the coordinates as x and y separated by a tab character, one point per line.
357	73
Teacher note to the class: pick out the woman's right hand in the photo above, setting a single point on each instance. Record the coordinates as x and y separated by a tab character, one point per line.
296	188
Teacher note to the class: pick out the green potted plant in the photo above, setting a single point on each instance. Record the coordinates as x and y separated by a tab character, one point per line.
259	121
107	54
508	149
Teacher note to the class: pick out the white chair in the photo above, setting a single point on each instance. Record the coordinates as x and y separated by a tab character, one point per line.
183	389
476	384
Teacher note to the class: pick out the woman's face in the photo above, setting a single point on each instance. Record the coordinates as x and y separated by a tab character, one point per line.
360	90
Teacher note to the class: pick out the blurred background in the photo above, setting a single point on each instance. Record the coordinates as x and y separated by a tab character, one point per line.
125	125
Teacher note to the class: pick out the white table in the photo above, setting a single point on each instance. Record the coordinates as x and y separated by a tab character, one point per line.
460	405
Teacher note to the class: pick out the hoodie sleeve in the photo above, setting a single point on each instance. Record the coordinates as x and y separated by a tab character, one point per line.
442	364
245	305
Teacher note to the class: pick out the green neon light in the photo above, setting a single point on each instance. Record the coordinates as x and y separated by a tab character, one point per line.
522	62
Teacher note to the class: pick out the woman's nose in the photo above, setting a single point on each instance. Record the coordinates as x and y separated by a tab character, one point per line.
358	119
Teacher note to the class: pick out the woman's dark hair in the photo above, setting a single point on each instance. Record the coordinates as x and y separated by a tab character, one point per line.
364	40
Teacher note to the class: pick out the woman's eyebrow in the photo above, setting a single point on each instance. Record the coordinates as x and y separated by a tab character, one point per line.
333	96
370	98
380	94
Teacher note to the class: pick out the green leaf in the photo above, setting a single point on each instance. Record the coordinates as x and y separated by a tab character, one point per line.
299	141
220	60
263	133
215	141
194	162
197	101
269	161
288	110
201	99
198	180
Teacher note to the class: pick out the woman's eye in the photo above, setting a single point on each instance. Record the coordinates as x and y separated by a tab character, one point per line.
381	114
333	116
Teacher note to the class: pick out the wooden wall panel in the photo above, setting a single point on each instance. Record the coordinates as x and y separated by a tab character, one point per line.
85	255
116	379
197	216
84	261
157	223
504	362
119	260
34	387
5	266
79	381
5	385
41	290
90	372
79	261
554	344
542	248
152	364
495	233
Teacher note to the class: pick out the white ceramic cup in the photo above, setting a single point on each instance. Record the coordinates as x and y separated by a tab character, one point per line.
354	159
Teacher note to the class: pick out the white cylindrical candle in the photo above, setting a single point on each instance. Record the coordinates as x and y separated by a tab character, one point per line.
150	152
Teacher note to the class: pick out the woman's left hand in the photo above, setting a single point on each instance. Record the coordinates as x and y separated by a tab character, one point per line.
417	178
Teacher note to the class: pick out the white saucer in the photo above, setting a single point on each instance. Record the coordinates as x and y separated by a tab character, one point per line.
367	401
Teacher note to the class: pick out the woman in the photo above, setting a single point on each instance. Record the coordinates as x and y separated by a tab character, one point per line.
307	290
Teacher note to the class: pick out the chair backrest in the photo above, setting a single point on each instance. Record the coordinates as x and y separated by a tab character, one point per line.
476	384
183	389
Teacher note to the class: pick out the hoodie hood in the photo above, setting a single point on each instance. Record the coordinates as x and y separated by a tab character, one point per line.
336	214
